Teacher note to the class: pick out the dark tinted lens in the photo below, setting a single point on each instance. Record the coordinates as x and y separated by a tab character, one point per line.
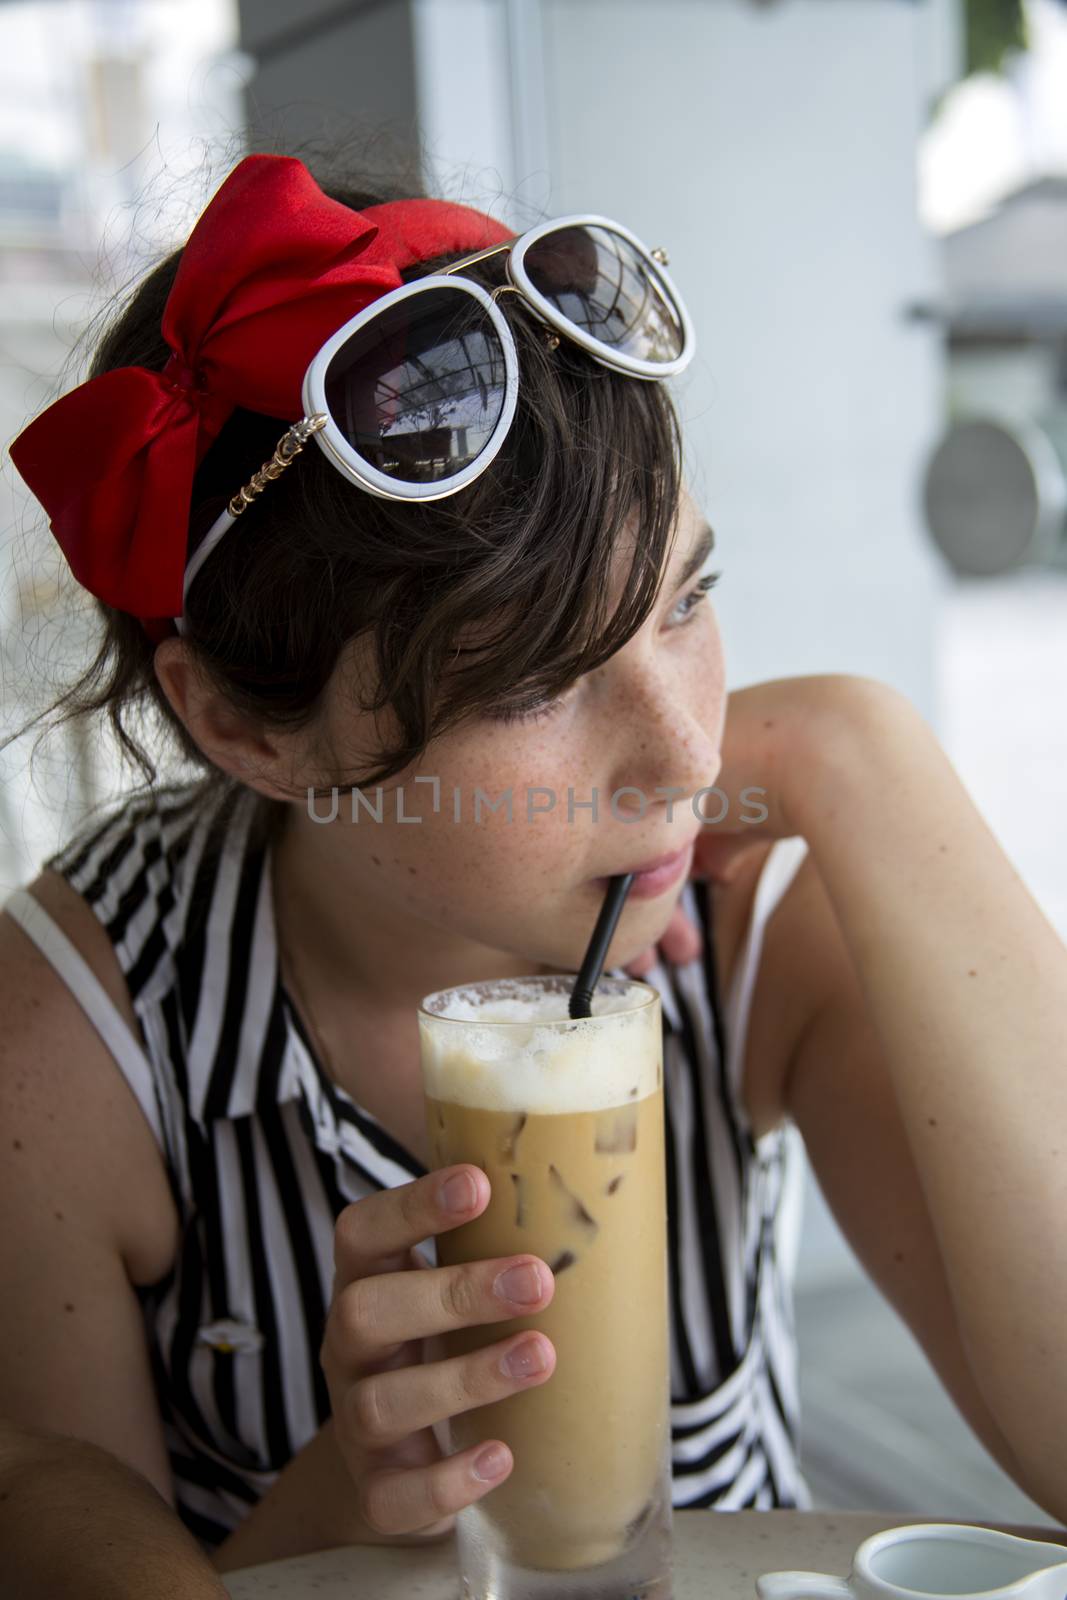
419	391
598	281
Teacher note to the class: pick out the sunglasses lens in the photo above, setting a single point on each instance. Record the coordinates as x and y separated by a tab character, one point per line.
599	281
418	392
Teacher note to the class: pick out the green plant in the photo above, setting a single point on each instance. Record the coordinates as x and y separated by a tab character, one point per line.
994	30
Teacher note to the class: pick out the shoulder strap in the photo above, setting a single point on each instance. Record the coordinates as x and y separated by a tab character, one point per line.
94	999
777	873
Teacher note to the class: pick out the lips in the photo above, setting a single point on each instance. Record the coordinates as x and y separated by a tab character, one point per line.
666	860
655	876
658	861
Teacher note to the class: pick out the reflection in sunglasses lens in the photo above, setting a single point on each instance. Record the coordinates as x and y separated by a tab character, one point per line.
419	391
599	282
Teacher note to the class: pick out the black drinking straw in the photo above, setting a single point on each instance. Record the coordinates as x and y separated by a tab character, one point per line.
593	961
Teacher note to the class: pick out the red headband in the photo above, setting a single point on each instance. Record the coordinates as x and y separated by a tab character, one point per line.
272	268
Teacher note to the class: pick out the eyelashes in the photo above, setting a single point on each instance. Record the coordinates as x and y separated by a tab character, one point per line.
695	596
512	714
545	708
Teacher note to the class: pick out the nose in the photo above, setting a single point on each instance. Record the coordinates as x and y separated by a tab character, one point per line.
667	743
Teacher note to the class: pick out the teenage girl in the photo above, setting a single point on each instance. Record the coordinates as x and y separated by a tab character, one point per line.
369	536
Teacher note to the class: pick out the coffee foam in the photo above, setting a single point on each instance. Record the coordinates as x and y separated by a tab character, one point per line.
465	1005
534	1057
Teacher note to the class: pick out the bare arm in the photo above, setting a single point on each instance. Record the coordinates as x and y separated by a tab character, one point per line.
85	1485
81	1172
965	986
78	1524
838	1089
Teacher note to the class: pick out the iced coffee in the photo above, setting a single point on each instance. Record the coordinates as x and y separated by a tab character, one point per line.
566	1119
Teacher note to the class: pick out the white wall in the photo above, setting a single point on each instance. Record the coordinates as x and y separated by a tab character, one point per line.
772	151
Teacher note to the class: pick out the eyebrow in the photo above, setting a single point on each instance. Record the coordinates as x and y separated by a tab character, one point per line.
697	556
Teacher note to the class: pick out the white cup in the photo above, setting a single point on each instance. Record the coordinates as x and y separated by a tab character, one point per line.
931	1560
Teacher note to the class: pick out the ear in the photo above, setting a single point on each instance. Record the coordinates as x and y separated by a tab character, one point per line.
227	738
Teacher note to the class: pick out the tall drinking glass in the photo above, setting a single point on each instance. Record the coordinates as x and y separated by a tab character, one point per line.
566	1119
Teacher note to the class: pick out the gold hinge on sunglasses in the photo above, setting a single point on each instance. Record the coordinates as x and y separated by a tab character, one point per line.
287	449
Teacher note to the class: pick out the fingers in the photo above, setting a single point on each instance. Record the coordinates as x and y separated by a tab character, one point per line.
389	1304
680	941
720	856
377	1233
413	1499
381	1409
374	1315
641	964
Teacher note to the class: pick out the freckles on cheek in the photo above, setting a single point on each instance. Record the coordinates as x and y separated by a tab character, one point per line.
538	855
495	850
511	759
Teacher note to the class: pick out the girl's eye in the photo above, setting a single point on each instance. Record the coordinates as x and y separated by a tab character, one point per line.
687	605
691	601
533	714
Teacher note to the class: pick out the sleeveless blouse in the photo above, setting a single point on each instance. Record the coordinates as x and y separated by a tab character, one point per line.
263	1151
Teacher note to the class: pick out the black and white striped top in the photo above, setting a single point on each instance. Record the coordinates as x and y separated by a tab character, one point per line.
264	1151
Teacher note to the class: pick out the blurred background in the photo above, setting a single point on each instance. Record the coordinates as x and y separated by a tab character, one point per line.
865	205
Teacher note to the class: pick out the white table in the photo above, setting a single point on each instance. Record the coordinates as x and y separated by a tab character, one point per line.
717	1556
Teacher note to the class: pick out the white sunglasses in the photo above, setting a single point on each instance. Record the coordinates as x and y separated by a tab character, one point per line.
413	397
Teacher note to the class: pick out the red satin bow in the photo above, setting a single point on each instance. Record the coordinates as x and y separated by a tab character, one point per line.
272	268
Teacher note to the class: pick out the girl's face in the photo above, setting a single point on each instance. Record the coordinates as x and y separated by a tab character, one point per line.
446	853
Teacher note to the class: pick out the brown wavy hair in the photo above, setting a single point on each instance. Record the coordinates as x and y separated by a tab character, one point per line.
520	559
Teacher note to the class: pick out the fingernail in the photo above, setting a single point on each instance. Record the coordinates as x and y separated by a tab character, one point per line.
526	1360
520	1284
492	1463
458	1194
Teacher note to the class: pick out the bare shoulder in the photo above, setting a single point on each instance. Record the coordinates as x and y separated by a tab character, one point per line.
785	993
82	927
68	1107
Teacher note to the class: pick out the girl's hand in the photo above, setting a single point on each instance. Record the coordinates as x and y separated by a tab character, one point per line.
768	726
384	1395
